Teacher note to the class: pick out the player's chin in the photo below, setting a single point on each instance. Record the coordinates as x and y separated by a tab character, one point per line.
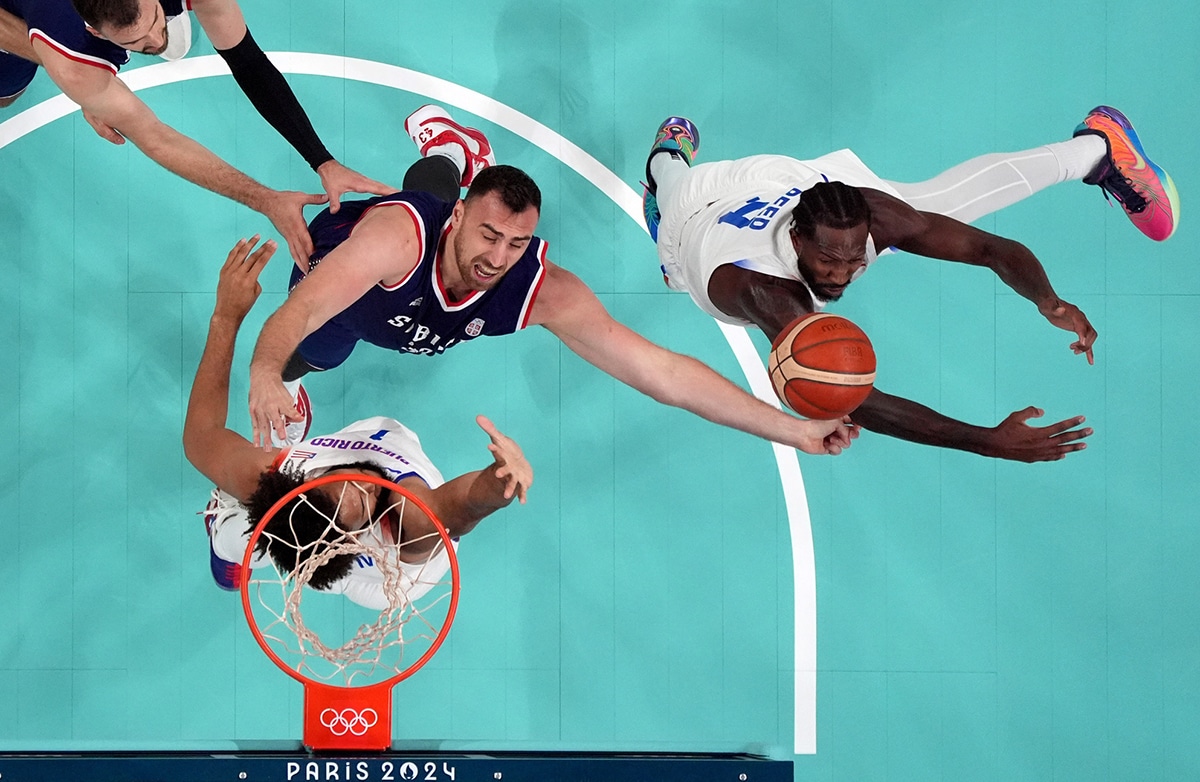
830	292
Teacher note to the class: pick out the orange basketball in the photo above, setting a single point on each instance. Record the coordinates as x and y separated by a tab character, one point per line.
822	365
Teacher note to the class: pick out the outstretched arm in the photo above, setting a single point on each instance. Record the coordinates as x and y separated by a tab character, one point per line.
220	454
772	304
573	313
1013	438
938	236
382	248
463	502
272	96
106	97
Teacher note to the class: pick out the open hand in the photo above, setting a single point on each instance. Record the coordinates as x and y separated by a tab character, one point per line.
338	180
1015	439
271	408
238	287
1070	318
285	210
511	466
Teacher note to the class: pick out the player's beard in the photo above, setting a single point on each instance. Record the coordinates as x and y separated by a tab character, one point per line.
466	269
820	291
166	42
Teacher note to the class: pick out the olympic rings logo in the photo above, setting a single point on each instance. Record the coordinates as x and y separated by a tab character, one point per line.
346	721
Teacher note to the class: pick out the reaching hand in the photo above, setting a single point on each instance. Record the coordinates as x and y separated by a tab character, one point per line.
337	180
271	407
1014	439
238	287
1069	318
103	129
828	437
285	210
511	466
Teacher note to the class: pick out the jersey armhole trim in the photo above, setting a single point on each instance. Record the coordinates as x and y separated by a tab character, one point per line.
71	54
534	288
418	224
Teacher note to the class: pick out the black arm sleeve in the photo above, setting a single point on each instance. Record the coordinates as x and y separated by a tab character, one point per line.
266	88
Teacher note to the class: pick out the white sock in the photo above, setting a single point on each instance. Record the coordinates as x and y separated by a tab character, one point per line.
1079	156
454	152
666	168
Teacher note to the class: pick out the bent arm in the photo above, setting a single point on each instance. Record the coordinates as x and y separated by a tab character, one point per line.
381	248
267	89
220	454
572	312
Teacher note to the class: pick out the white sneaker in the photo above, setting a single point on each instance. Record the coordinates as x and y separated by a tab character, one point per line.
223	509
296	430
430	126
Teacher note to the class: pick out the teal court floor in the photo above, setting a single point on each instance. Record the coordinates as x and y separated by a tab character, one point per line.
973	619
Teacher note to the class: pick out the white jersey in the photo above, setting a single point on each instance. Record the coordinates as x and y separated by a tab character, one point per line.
383	442
740	212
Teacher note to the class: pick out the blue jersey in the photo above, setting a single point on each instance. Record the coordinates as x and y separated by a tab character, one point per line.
56	24
417	314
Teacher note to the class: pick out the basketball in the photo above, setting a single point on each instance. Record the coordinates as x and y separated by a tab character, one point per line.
822	366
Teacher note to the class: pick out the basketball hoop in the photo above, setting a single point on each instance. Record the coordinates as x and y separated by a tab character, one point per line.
348	683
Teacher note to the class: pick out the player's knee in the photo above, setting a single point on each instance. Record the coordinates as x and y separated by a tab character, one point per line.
297	368
6	102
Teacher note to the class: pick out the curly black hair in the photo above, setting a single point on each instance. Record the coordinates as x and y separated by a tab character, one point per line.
300	523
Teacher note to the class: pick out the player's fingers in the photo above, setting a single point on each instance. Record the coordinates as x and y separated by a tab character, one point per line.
1021	416
373	187
334	194
260	257
486	425
1072	435
234	255
1064	425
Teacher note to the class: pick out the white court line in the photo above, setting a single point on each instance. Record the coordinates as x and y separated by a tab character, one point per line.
570	155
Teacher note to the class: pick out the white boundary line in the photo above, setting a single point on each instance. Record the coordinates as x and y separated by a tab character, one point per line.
795	497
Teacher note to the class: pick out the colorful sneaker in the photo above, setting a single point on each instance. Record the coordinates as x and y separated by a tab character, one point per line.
296	430
1145	191
676	135
220	510
430	126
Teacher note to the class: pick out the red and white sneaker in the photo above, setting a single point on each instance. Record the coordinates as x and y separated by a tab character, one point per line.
296	430
430	126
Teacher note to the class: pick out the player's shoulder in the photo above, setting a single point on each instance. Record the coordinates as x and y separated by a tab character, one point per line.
69	48
560	295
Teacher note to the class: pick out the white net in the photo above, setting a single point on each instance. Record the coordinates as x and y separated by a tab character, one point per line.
369	625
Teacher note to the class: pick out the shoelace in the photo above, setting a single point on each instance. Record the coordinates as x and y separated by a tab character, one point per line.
1122	189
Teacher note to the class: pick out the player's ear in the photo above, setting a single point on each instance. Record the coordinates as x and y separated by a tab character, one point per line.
93	31
460	207
796	240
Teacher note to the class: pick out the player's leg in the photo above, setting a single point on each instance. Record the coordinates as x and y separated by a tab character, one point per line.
437	175
1105	151
451	154
989	183
15	75
675	146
